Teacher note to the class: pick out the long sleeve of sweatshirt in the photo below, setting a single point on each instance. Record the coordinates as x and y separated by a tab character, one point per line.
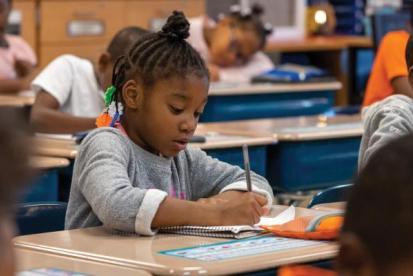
384	121
120	185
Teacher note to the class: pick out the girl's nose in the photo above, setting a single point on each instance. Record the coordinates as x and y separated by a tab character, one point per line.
189	124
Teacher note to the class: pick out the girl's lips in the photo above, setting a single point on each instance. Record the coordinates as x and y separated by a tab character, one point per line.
180	145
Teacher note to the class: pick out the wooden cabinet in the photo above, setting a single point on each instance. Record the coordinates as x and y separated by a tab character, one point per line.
28	11
85	27
77	27
143	13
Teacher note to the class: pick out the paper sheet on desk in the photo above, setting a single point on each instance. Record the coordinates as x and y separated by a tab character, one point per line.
283	217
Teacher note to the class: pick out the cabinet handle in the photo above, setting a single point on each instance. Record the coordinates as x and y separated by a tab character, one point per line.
78	28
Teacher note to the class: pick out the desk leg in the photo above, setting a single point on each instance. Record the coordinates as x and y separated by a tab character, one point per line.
44	188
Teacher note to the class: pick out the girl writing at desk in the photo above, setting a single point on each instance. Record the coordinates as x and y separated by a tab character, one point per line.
138	174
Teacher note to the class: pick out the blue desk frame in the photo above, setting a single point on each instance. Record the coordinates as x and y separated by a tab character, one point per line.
269	105
308	165
233	156
44	187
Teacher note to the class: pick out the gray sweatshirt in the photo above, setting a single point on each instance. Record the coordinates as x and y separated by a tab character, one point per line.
120	185
384	121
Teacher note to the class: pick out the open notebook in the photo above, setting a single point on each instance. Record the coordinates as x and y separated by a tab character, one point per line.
232	232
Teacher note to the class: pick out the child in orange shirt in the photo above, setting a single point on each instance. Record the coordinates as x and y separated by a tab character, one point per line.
389	73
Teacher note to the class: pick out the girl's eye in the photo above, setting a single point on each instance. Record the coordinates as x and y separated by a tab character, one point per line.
175	110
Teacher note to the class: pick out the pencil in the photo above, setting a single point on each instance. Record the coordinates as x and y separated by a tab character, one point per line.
247	167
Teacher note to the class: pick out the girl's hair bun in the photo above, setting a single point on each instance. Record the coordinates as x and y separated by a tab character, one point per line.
176	27
257	10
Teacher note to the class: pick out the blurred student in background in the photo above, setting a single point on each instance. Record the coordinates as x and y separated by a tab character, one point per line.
70	89
17	59
232	46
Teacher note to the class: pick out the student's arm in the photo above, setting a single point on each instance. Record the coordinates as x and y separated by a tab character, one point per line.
25	74
211	177
102	177
54	87
383	122
258	64
245	210
402	86
13	86
45	117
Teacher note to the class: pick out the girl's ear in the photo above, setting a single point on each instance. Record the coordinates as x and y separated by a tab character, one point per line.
132	94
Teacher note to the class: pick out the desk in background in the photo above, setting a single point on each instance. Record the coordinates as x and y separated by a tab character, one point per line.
325	52
16	101
228	148
231	101
312	152
319	43
100	245
45	186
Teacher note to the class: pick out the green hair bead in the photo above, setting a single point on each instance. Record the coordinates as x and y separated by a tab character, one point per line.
109	94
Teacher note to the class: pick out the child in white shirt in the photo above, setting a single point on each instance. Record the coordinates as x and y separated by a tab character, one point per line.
70	89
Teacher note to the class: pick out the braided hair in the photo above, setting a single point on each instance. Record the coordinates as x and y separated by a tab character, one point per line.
161	55
251	19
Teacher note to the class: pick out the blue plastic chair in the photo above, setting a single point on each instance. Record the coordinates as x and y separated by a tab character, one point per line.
39	217
333	194
387	22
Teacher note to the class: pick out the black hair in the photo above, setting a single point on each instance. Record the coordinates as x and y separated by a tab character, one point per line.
409	52
380	206
160	55
251	19
123	40
13	159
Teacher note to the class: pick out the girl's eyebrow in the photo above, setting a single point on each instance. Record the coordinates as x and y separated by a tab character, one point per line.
180	95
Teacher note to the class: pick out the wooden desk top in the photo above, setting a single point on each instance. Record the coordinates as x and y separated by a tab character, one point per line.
225	89
15	100
67	149
100	245
44	162
54	147
28	259
319	43
294	128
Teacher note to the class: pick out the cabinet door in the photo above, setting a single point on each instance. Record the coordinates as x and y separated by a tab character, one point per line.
91	52
146	13
27	10
75	21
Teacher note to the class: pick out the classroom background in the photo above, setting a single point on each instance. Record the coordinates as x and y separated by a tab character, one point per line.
285	123
303	136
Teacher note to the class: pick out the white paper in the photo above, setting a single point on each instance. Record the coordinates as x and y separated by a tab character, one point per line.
283	217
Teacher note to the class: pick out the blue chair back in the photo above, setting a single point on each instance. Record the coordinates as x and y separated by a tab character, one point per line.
39	217
387	22
333	194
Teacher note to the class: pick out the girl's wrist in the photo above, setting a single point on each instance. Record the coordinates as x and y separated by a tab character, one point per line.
204	214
